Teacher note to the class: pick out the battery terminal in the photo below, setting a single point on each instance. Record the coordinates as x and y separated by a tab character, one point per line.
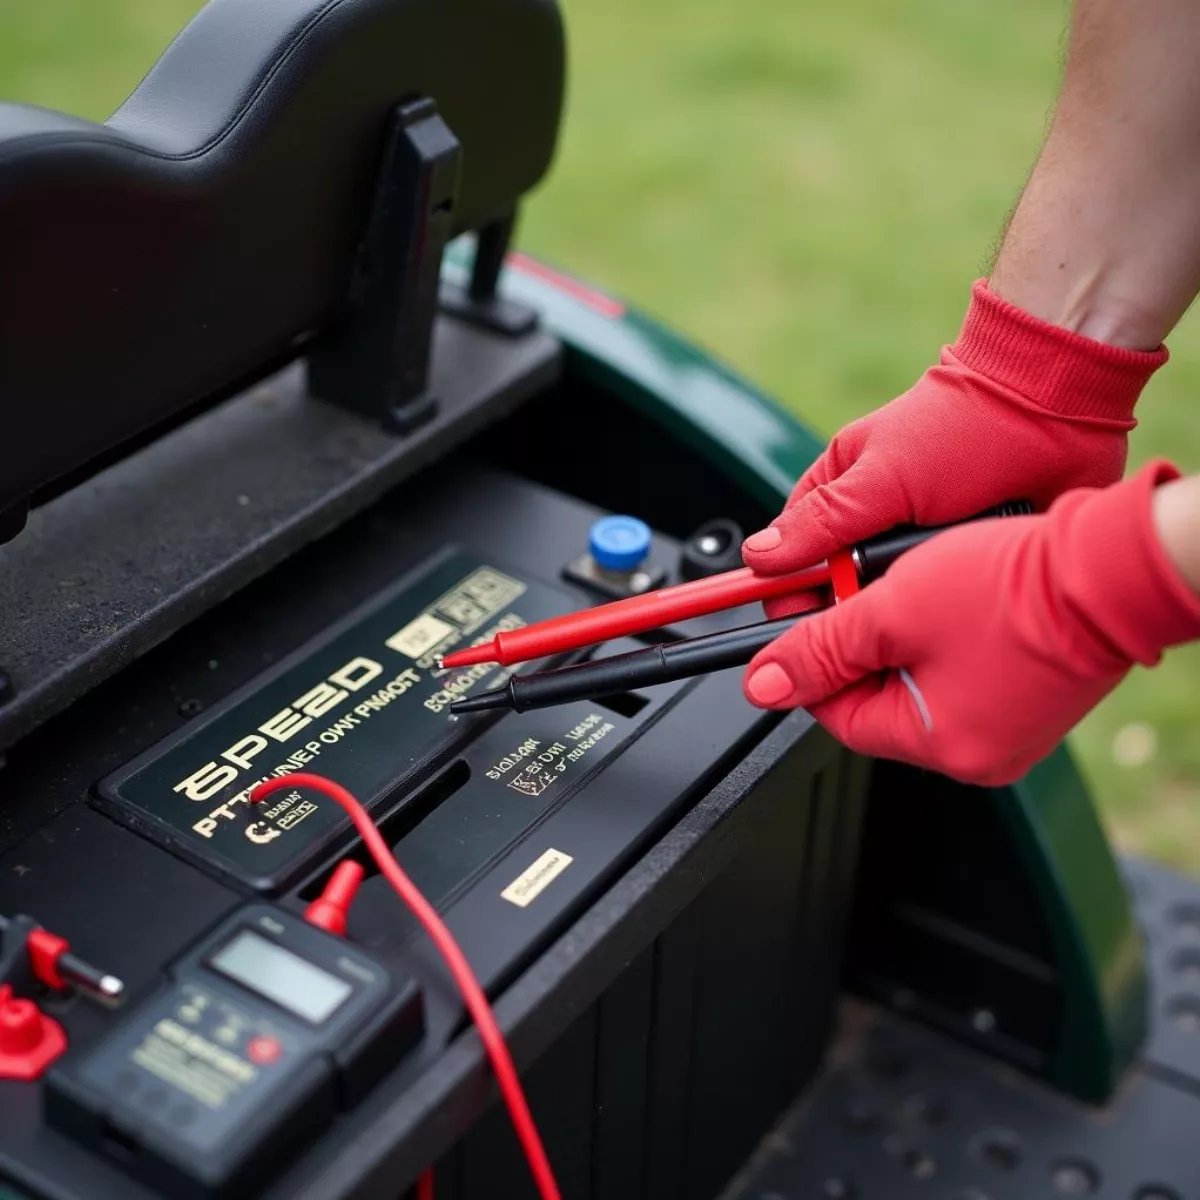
31	955
29	1040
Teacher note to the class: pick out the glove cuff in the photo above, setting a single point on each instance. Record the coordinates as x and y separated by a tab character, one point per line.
1123	583
1062	372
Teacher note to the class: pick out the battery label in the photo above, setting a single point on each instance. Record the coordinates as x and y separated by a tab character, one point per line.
367	705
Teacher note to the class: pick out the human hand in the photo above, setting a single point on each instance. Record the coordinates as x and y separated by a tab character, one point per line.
981	648
1017	409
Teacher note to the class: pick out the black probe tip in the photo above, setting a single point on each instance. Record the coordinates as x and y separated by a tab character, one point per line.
499	698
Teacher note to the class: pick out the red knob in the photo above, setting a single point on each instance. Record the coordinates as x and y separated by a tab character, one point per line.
20	1025
29	1040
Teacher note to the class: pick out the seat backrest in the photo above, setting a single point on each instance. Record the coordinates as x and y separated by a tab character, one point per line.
200	236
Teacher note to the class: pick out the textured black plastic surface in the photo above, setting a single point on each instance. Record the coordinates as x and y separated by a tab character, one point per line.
906	1115
112	567
1168	908
658	1090
204	233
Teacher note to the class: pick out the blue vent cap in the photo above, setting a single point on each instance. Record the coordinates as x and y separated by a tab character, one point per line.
619	543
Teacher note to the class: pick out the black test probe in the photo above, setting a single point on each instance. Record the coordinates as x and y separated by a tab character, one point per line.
693	656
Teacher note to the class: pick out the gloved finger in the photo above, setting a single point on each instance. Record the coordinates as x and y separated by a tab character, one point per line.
821	471
832	516
844	450
823	654
796	603
881	716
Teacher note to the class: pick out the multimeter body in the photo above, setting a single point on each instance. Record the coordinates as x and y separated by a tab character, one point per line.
264	1032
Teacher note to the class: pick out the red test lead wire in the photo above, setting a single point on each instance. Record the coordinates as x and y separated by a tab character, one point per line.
330	911
637	614
472	994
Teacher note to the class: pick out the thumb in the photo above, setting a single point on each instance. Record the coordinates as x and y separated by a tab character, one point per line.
823	654
827	518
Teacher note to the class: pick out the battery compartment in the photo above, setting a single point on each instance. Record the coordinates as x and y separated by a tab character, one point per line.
602	811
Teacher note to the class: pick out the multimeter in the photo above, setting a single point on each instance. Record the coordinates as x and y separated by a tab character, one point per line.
264	1032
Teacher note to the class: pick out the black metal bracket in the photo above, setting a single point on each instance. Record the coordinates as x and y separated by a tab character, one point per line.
480	301
375	359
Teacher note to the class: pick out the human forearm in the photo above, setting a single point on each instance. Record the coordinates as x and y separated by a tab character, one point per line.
1037	395
1106	238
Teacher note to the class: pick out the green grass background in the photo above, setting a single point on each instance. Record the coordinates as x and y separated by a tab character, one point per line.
806	189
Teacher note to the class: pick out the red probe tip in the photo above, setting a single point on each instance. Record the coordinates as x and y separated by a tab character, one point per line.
471	656
330	910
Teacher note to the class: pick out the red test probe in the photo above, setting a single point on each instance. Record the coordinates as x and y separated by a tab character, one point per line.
638	614
845	571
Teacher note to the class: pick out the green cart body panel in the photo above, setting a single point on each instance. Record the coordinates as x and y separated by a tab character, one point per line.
1049	815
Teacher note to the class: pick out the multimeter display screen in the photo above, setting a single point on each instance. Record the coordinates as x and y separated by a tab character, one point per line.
281	976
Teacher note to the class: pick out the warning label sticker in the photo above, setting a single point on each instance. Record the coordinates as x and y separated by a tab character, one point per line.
533	881
366	705
534	765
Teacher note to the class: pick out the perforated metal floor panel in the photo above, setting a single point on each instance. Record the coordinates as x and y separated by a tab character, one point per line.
903	1114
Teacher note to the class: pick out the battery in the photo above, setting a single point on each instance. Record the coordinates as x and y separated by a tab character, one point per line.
366	704
263	1033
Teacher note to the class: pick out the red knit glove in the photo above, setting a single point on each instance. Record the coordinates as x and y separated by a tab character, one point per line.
1017	410
979	650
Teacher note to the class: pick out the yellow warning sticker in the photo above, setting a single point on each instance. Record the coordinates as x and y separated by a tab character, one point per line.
533	881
